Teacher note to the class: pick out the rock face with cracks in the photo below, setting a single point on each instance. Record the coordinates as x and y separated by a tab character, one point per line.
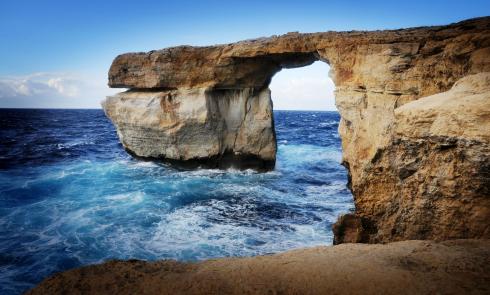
191	127
414	106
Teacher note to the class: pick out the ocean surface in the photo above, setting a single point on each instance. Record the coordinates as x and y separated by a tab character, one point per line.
71	196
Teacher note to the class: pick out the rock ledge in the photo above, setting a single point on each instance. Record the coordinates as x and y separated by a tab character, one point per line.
410	267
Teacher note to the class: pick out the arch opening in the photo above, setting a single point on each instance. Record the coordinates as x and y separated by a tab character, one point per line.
306	88
309	151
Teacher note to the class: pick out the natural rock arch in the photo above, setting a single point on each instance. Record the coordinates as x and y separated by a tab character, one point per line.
411	177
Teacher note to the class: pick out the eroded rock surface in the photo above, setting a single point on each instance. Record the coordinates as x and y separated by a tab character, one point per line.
433	180
409	267
418	162
192	127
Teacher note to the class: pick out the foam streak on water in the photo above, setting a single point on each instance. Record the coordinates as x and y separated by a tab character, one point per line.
71	196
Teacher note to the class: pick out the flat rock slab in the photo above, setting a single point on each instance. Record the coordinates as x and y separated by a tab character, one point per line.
409	267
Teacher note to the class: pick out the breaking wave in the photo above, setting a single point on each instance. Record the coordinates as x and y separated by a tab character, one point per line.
70	196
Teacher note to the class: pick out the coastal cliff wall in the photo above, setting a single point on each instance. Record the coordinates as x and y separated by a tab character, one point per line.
414	118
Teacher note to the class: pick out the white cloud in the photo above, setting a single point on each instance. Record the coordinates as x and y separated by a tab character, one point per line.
53	90
64	86
307	88
40	84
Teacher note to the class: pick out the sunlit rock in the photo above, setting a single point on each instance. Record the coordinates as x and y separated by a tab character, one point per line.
197	127
418	169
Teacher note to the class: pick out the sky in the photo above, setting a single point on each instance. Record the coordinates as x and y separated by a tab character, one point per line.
56	54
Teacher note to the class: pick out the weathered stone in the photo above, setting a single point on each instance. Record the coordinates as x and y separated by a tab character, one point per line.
408	267
350	228
433	180
197	127
418	169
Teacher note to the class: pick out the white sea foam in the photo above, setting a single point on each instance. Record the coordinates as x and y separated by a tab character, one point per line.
327	189
133	197
182	230
71	144
87	210
299	154
144	164
327	124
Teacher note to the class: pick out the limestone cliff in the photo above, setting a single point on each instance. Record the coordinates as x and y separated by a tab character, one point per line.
213	128
433	179
415	143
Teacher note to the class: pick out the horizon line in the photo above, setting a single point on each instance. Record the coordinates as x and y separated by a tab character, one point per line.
75	108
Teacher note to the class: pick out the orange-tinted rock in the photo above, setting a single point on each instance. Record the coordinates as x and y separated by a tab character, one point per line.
418	170
408	267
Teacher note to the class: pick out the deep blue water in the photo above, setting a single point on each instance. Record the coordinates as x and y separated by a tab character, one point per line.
71	196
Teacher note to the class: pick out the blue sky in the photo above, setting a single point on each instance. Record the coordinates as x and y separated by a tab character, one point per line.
57	53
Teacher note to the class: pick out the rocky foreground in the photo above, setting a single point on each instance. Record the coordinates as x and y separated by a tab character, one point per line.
409	267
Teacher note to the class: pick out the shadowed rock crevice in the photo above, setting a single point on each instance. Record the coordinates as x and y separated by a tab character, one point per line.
223	161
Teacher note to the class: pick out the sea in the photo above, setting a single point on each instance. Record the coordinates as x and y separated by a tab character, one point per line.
71	196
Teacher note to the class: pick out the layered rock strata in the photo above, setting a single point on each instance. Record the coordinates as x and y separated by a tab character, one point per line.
197	127
415	144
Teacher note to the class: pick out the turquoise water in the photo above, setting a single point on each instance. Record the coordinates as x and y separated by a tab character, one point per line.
71	196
